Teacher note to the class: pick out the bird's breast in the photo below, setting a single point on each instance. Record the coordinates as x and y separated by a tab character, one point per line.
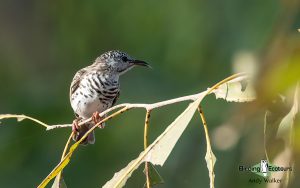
94	93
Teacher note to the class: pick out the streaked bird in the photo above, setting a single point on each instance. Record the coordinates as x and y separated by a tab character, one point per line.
96	88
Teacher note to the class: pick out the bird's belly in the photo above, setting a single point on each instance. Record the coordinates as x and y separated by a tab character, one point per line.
85	105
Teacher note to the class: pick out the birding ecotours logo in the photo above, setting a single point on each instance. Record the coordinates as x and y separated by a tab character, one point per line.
264	168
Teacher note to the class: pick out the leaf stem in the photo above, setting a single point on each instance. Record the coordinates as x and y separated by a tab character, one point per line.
210	158
145	146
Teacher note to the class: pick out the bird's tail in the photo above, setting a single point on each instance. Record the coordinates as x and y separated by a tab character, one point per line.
90	139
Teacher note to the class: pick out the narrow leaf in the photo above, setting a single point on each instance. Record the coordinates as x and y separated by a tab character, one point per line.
154	176
237	90
159	150
120	178
164	144
210	159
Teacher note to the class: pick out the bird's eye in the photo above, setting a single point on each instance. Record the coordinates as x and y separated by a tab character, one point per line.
124	58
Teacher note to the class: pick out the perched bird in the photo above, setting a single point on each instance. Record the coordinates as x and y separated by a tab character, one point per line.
96	88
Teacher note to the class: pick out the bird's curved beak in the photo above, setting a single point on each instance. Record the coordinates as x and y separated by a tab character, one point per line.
140	63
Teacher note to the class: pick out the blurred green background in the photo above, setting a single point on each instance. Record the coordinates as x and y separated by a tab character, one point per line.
190	44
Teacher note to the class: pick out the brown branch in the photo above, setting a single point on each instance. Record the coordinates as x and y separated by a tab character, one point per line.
102	121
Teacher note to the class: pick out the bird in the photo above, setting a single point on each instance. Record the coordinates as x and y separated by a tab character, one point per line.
96	88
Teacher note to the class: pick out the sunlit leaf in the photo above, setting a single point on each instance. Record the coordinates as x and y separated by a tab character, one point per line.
159	150
119	179
210	159
237	90
163	145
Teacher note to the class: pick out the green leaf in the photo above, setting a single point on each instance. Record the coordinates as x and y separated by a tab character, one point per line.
279	126
277	110
286	127
154	176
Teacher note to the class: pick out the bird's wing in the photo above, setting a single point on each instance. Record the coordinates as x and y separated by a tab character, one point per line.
116	98
76	81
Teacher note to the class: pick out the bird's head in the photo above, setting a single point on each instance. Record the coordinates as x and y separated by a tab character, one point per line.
117	62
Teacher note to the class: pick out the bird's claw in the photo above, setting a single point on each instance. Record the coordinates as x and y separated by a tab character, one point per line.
75	126
97	118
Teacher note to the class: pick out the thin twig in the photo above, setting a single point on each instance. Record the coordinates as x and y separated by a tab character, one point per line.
145	147
136	105
154	105
146	128
129	106
100	122
204	124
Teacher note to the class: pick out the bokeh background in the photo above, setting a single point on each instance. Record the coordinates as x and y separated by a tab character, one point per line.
190	44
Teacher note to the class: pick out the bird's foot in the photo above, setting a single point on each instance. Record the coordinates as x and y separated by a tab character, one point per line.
97	118
75	126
